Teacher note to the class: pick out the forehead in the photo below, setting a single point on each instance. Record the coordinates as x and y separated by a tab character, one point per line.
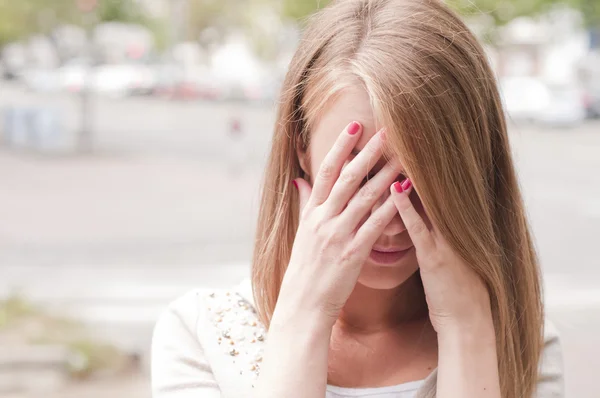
348	105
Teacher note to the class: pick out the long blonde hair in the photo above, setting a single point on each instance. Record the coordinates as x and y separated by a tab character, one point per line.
431	86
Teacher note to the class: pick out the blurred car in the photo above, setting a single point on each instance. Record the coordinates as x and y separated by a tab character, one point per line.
176	82
524	98
120	80
73	74
41	80
591	99
144	81
14	61
566	106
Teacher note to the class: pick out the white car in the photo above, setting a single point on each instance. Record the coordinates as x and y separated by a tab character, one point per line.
524	98
565	108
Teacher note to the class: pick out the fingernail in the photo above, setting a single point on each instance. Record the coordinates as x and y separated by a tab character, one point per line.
295	183
406	184
398	187
353	128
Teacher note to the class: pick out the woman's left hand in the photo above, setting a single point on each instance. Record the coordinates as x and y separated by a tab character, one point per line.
456	296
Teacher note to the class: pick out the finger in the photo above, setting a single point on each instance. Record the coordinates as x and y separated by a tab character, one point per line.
353	174
333	162
416	227
367	196
304	191
373	227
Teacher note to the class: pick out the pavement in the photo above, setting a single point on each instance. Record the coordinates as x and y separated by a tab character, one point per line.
161	207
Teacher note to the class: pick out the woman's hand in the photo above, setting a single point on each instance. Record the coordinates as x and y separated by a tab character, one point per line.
337	229
335	235
459	309
456	296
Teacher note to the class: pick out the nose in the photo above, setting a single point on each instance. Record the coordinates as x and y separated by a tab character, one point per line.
396	226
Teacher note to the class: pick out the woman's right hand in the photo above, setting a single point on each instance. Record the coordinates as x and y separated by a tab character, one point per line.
337	228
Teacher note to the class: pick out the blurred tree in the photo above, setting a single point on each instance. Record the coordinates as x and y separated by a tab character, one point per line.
502	12
19	19
299	10
590	9
22	18
120	11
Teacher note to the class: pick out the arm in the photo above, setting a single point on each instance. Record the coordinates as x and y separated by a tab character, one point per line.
179	369
467	357
551	379
468	363
295	358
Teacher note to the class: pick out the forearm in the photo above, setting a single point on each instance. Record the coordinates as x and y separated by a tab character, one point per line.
468	362
295	359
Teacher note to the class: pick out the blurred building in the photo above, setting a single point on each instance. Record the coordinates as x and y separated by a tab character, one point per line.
549	47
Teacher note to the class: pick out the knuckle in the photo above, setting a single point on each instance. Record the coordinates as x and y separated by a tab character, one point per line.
326	171
348	177
418	227
333	238
404	205
367	193
349	254
318	225
372	148
434	262
377	222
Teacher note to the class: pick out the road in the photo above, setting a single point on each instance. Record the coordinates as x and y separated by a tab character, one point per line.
160	207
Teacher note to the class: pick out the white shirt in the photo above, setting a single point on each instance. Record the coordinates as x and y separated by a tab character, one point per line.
405	390
209	344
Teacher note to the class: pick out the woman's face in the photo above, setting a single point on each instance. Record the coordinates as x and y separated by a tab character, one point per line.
353	104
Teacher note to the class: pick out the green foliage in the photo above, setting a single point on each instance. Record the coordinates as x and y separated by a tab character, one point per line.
13	308
590	9
23	323
22	18
503	11
299	10
120	11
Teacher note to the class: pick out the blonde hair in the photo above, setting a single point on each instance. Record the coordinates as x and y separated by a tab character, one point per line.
431	86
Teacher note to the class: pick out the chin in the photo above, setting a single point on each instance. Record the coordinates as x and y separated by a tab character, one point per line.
376	276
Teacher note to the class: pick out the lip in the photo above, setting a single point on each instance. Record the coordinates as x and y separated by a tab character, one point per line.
390	249
387	256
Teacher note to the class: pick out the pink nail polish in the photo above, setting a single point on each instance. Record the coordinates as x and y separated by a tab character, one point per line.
406	184
353	128
398	187
295	183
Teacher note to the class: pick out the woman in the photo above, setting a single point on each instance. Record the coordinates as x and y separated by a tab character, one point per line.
392	259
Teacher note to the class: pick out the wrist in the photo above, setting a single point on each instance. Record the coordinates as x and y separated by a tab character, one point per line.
475	331
300	321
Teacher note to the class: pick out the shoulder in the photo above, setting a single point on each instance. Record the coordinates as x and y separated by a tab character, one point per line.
211	339
199	306
223	322
551	373
552	353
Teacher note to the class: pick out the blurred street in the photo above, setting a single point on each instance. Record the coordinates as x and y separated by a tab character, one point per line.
161	207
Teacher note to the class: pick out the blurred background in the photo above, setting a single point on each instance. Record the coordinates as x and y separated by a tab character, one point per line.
133	135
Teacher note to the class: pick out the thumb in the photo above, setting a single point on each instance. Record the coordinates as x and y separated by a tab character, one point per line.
304	191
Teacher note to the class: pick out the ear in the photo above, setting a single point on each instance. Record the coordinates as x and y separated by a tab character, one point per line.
304	160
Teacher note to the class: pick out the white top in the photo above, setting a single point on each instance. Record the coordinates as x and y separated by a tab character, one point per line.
406	390
209	344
